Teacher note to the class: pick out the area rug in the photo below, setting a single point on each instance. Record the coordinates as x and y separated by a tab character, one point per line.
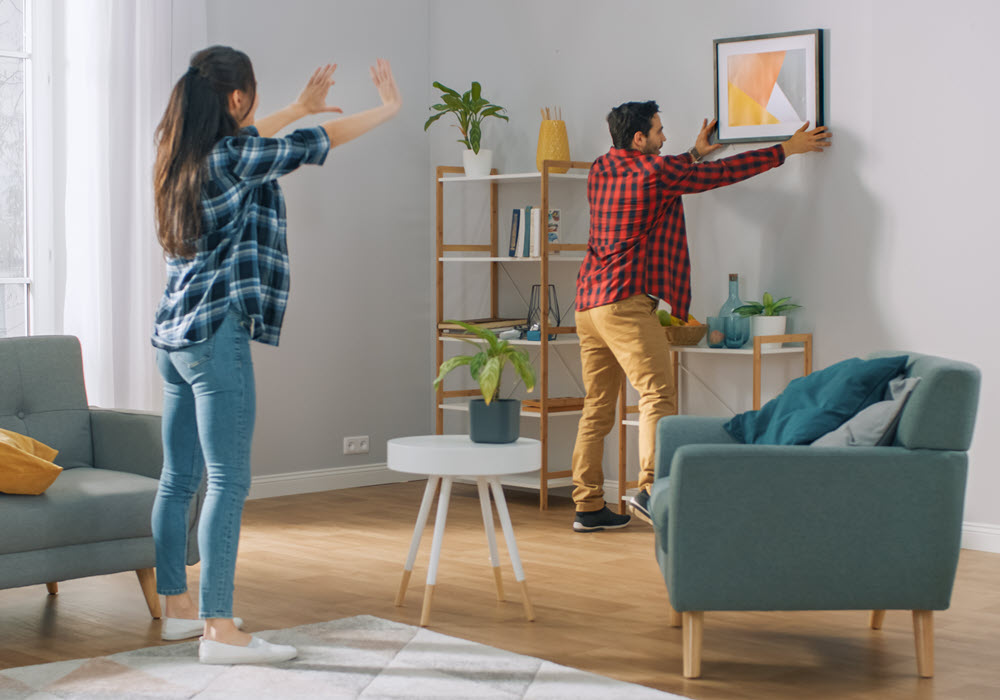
356	657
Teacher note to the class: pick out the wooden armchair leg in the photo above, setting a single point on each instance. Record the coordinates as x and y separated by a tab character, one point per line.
672	615
147	580
53	587
923	636
693	625
876	618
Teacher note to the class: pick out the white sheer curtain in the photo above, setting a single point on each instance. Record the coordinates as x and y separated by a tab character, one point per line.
120	60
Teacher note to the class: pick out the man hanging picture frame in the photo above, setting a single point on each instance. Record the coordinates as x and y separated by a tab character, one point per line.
768	86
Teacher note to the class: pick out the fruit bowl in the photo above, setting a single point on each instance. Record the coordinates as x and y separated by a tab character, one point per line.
685	335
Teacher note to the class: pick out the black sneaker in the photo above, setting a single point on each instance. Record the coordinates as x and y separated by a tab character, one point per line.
602	519
639	504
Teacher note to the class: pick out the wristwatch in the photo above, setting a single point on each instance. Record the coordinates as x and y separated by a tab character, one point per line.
695	156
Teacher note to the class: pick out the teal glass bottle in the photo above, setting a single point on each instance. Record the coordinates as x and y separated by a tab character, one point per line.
733	301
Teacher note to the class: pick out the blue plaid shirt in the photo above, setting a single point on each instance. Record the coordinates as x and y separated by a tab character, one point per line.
242	257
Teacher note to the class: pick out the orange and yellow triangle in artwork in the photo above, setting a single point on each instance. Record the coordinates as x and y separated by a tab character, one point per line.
745	111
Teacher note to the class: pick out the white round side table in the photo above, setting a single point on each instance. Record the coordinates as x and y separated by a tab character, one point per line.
444	457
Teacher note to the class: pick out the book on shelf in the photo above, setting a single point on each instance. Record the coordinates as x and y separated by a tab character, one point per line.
491	323
553	227
515	222
555	404
536	233
526	241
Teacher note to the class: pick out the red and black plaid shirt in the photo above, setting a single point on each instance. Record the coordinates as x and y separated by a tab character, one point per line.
638	242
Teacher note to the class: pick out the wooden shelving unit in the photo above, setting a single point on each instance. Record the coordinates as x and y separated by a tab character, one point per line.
545	406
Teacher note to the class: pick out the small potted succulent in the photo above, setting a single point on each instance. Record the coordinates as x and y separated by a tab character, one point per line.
767	317
469	108
491	419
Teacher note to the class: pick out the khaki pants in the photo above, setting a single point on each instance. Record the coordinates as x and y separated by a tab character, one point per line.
625	335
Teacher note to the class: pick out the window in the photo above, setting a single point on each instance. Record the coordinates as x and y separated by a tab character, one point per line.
15	61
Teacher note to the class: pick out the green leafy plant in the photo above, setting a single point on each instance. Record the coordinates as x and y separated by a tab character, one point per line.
769	307
487	365
469	109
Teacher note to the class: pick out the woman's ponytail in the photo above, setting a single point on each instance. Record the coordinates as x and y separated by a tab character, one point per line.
196	118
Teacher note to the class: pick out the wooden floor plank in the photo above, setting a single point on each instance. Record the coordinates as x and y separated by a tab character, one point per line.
599	599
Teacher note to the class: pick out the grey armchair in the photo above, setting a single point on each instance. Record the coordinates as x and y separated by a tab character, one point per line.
95	518
763	527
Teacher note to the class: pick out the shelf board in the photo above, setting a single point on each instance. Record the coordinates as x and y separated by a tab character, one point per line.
701	349
553	257
464	407
558	341
515	177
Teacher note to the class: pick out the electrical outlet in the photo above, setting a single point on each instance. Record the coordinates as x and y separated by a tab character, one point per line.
356	445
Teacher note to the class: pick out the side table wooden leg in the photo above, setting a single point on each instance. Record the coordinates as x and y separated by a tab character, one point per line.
418	530
491	538
439	520
508	533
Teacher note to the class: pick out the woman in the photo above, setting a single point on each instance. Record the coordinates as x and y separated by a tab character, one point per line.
221	222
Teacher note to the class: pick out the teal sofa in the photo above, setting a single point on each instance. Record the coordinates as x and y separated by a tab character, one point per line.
95	518
774	527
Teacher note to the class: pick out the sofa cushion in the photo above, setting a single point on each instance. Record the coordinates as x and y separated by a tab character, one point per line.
42	395
875	425
83	505
25	464
814	405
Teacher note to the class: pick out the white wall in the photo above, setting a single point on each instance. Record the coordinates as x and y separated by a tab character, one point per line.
355	349
886	239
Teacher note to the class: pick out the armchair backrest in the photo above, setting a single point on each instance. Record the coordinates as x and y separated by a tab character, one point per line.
941	412
42	395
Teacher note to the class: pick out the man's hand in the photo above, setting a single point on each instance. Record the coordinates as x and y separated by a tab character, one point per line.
803	141
313	97
701	144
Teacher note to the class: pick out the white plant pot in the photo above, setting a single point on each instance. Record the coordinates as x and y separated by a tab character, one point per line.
768	325
477	165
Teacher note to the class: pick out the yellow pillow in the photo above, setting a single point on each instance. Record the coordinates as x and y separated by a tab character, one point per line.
25	464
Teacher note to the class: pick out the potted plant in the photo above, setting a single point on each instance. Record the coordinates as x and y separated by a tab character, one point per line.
767	317
469	109
491	419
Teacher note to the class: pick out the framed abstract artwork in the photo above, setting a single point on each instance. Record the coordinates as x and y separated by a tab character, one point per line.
768	86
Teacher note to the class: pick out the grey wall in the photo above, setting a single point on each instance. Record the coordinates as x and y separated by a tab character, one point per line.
355	350
888	240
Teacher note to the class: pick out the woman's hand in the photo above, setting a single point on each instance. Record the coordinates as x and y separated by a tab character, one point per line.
382	77
313	97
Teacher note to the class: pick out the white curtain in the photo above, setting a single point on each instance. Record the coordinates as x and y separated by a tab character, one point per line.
120	60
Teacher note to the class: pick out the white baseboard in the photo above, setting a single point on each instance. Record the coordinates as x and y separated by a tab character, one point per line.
330	479
980	536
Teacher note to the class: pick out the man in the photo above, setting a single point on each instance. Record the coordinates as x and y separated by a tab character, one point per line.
637	253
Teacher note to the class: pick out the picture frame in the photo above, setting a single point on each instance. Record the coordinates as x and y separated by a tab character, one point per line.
767	86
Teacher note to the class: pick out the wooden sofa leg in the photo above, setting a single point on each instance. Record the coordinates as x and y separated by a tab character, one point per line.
693	625
923	636
53	587
876	618
672	615
147	579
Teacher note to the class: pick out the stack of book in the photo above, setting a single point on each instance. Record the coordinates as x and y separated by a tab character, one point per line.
526	231
494	324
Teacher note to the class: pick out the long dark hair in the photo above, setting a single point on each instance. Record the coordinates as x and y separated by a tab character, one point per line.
628	118
197	116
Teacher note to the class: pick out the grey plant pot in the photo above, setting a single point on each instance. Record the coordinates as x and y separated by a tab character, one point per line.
497	423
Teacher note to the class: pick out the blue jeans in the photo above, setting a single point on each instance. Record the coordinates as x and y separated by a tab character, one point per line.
208	418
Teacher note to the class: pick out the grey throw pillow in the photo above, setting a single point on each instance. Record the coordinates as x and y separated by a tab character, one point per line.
875	425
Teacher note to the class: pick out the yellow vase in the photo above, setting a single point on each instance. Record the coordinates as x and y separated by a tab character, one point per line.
553	144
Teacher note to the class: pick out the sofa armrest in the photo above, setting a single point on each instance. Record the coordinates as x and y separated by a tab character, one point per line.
127	441
760	527
674	431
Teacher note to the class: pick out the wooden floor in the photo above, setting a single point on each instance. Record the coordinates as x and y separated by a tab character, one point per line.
599	600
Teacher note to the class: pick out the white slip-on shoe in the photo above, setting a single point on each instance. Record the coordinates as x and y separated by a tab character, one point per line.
175	628
257	652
